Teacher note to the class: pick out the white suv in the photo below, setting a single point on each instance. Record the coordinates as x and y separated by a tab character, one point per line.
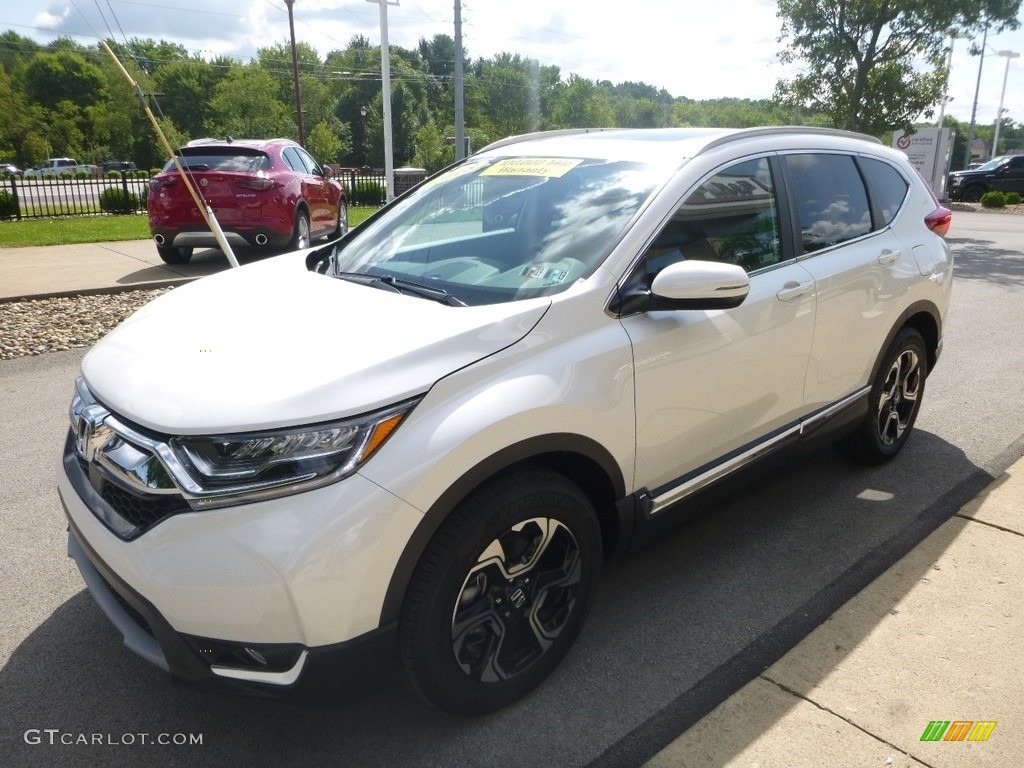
418	443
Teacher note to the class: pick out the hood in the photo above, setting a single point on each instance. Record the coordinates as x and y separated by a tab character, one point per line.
272	344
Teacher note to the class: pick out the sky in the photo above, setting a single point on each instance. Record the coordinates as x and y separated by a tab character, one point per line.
725	48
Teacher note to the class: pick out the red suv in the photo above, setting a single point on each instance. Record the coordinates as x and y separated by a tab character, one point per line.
264	193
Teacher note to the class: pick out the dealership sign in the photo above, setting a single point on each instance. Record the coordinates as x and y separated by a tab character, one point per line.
928	150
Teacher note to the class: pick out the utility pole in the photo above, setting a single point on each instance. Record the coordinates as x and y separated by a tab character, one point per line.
295	74
385	76
460	111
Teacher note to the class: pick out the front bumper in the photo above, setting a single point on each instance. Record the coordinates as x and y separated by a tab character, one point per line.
348	667
262	596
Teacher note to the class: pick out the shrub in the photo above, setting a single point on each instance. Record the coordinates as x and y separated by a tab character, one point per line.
993	199
116	200
368	192
1013	198
8	209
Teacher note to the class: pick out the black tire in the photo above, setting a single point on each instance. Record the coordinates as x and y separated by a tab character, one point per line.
500	593
972	193
300	235
172	255
894	402
342	228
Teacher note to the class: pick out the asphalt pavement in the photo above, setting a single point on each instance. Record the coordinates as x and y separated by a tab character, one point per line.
923	666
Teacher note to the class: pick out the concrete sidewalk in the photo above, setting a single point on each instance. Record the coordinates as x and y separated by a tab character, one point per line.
939	636
61	270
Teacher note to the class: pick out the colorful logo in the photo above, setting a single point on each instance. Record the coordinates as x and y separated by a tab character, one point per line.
958	730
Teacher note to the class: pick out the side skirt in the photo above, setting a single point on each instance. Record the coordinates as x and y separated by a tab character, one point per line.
824	424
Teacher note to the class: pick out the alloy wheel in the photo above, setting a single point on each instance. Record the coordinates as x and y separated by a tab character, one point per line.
516	599
899	397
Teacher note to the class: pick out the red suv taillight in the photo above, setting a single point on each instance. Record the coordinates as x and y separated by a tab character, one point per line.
259	183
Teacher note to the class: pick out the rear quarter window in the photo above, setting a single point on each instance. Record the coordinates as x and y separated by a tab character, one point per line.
888	189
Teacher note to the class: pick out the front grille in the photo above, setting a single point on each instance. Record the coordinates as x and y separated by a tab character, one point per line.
126	512
142	510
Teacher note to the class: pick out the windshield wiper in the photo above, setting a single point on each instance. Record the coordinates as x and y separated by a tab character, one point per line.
398	285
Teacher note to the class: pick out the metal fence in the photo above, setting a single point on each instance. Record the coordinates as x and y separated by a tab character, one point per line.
123	192
116	193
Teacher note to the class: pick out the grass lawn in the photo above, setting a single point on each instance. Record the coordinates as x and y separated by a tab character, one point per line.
98	229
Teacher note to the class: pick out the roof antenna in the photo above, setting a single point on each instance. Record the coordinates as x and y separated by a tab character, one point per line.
204	208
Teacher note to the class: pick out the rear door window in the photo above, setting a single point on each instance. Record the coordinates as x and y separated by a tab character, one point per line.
831	204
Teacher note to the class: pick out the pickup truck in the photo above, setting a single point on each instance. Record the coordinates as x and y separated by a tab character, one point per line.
59	166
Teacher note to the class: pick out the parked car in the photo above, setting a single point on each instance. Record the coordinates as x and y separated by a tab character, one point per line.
1004	174
118	165
420	442
60	166
268	193
10	170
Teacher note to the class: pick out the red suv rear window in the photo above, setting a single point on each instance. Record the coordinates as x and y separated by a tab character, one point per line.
209	159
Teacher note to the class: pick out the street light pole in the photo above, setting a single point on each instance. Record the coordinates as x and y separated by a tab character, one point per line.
945	86
295	74
977	89
999	115
385	76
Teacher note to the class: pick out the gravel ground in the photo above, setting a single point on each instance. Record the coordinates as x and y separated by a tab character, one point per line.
48	325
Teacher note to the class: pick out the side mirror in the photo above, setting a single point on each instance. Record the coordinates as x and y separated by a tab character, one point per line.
699	285
707	282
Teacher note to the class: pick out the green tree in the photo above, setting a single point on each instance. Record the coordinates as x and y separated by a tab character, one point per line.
432	151
15	49
147	54
16	121
510	98
51	78
186	86
246	104
875	65
324	144
580	103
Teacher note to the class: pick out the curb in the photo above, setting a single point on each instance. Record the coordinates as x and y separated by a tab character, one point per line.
100	291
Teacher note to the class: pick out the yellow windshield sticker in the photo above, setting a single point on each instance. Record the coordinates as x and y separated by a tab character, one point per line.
548	167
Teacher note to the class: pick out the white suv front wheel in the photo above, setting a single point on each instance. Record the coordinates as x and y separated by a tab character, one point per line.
501	592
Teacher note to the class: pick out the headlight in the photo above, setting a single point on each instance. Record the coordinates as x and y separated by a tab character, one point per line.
229	469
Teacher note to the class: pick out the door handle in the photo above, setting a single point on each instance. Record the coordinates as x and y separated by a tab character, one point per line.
794	290
888	257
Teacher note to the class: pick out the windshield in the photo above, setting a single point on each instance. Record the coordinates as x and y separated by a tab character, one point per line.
992	164
491	231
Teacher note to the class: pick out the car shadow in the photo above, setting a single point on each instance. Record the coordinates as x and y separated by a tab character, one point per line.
206	261
983	260
677	626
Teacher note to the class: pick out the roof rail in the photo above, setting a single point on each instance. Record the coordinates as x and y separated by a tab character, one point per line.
543	135
782	130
